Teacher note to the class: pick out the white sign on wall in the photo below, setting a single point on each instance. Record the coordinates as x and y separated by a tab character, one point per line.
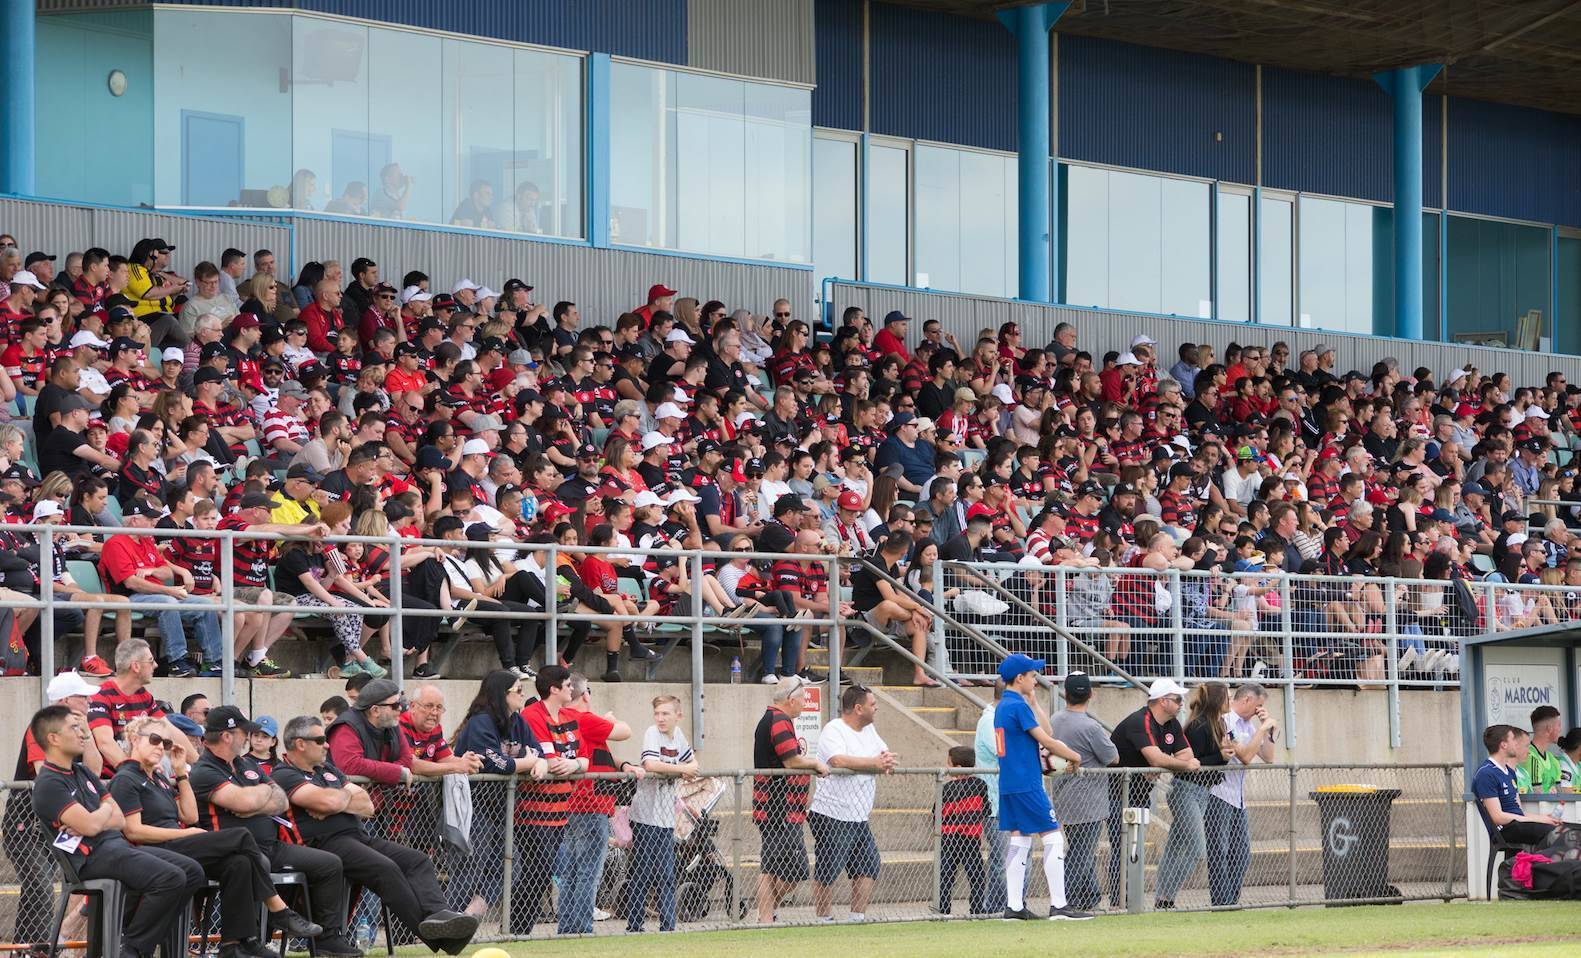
1512	691
810	722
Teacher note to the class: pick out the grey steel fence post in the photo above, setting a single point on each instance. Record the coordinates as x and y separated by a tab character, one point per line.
698	611
228	618
1287	630
551	595
1391	619
939	654
738	893
938	840
508	857
397	628
1451	805
1490	605
46	625
1135	869
836	634
1062	647
1177	625
1290	850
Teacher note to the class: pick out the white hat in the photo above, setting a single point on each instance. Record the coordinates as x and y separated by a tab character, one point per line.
25	277
67	684
1142	339
676	335
1455	377
85	337
680	398
647	497
683	494
1163	687
1030	562
1004	394
415	294
485	293
744	416
475	447
1128	358
1535	412
47	508
173	354
1516	538
668	410
654	440
462	284
923	423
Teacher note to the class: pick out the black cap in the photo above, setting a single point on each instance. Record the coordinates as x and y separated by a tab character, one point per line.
994	479
443	301
789	502
35	257
208	374
1123	489
256	500
304	472
706	446
512	285
1078	684
159	244
72	402
587	451
1180	469
428	323
1090	489
429	457
310	369
121	344
211	350
227	718
145	507
753	467
492	344
407	349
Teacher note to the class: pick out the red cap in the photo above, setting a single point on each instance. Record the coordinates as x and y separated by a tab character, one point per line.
556	510
850	500
244	321
658	290
1465	409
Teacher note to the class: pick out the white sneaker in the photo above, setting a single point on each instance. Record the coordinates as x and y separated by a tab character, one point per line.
769	678
1259	670
1407	658
600	914
1454	662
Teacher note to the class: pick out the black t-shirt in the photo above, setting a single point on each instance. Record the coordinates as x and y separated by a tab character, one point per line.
663	367
1199	735
57	789
154	796
290	778
134	480
48	401
959	549
58	453
1135	732
723	376
865	594
652	474
288	573
775	537
210	776
337	485
577	489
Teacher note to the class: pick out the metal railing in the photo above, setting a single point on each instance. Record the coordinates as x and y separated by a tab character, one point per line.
1283	836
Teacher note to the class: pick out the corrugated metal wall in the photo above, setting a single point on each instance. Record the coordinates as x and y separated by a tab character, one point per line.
1157	109
604	283
941	77
1327	135
837	99
60	229
761	38
1515	162
1100	331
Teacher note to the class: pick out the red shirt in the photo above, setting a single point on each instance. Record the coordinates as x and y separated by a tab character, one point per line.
589	796
126	555
545	803
321	324
398	380
887	342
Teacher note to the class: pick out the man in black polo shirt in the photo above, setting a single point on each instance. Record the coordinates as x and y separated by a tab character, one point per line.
402	877
67	449
233	791
83	820
1149	738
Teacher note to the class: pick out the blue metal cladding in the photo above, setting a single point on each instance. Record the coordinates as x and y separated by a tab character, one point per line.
1324	134
645	29
1155	109
942	77
1432	151
1515	162
837	99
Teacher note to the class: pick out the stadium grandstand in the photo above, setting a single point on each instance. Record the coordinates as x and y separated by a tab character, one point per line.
810	347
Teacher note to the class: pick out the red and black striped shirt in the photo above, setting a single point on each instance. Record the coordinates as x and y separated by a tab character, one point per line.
546	803
249	557
965	807
777	799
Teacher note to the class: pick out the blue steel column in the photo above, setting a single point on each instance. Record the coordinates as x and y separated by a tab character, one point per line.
1035	200
598	66
1405	86
16	97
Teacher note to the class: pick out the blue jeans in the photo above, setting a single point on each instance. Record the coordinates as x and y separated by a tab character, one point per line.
582	852
1229	850
779	656
994	894
1081	865
652	862
1205	649
172	625
1186	846
1411	638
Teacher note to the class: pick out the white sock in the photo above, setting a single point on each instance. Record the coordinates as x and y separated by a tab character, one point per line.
254	656
1017	851
1054	866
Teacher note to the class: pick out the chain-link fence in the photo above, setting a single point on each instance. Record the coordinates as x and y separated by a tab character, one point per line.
610	854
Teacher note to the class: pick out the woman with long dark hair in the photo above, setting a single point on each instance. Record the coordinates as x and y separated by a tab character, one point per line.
1188	796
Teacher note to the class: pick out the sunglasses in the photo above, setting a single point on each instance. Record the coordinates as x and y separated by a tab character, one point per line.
159	741
315	739
782	315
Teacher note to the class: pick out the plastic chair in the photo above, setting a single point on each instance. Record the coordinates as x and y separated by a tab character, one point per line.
112	506
293	879
106	907
1497	846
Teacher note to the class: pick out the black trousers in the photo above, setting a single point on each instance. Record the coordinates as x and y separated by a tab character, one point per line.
28	850
537	847
964	852
324	878
402	877
231	858
1525	833
163	882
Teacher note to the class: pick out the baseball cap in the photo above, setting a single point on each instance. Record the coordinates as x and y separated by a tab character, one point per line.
464	283
306	473
487	423
656	291
512	285
36	256
173	354
753	467
900	419
208	374
267	725
73	403
25	277
850	501
896	316
475	447
429	457
47	508
415	294
244	321
1516	538
519	357
585	451
679	335
121	344
1182	470
1142	339
789	502
706	446
1017	664
1162	688
443	301
1078	683
1123	489
647	497
683	494
86	337
1442	515
1128	358
67	684
228	718
257	500
654	440
1474	489
184	725
668	410
210	350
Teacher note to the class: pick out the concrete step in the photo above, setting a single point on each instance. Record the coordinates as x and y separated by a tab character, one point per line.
939	716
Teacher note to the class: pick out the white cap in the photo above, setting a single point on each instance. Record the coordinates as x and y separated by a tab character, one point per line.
415	294
1142	339
1516	538
173	354
647	497
475	447
1163	687
680	398
744	416
923	423
1128	358
488	515
47	508
1004	394
25	277
683	494
668	410
1030	562
676	335
1454	376
67	684
85	337
1535	412
462	284
485	293
654	440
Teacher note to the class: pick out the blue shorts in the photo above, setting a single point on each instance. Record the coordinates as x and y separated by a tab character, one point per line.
842	846
1026	812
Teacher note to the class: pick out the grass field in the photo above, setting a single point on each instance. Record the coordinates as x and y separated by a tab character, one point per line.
1506	930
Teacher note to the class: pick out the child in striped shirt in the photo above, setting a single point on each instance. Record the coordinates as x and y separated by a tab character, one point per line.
665	753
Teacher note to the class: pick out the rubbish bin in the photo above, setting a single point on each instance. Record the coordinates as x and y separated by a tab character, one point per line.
1355	830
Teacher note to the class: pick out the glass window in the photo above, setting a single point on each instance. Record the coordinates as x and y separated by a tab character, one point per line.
966	219
1498	283
545	173
1275	295
1569	295
406	167
222	120
1235	257
692	154
1430	319
1137	242
887	208
834	210
1346	265
938	213
330	145
479	138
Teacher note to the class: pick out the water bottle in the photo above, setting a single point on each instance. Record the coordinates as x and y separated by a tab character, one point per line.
365	934
735	670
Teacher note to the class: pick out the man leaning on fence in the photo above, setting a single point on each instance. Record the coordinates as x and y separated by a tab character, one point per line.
840	809
1082	802
1149	738
1252	732
779	803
